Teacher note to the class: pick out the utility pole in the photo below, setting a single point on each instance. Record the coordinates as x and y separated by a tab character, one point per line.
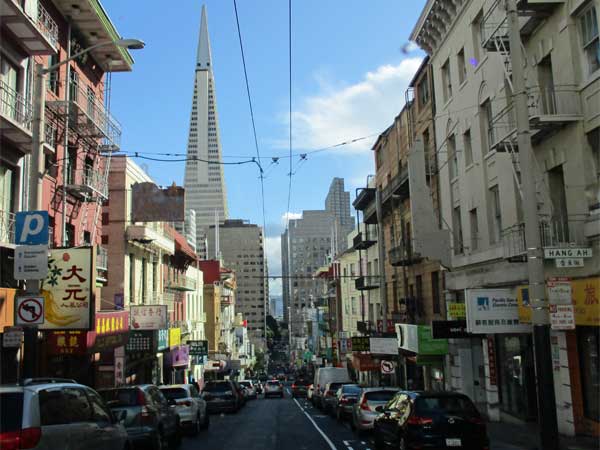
548	438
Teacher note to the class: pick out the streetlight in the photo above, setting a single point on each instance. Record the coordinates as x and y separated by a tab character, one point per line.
36	172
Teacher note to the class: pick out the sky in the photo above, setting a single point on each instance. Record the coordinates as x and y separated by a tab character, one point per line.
351	64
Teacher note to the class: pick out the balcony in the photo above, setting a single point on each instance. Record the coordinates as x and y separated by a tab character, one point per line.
16	113
31	25
149	235
88	117
88	184
182	283
49	137
400	256
365	202
549	110
363	241
366	282
7	227
558	232
397	186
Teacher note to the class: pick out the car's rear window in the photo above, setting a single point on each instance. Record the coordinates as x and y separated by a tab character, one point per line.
11	411
335	386
445	405
273	383
351	389
379	396
302	383
217	387
174	393
120	397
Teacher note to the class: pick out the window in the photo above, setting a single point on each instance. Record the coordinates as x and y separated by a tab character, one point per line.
70	235
53	77
468	149
77	404
462	68
379	157
447	81
435	292
486	126
458	233
476	26
423	92
53	407
496	214
474	229
588	26
452	157
588	344
99	411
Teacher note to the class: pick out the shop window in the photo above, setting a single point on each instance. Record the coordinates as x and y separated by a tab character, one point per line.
588	347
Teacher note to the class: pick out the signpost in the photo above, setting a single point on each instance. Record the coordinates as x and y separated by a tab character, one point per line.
387	367
31	228
568	257
562	317
12	337
29	310
560	291
31	262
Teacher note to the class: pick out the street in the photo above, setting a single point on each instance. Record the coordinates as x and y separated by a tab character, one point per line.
277	424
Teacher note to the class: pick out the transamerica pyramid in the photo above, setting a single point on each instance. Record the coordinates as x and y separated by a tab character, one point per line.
204	182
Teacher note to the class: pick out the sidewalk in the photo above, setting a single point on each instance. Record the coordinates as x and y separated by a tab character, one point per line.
507	436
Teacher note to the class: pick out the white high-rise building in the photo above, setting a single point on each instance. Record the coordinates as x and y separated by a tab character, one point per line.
204	181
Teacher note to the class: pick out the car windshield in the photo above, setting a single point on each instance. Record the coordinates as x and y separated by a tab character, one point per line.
11	411
174	393
445	405
379	396
217	387
120	397
351	389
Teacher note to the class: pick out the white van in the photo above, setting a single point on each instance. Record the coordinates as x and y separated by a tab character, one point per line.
325	375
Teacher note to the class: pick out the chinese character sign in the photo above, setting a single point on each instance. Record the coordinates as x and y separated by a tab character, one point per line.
68	289
148	317
66	342
493	311
198	348
108	323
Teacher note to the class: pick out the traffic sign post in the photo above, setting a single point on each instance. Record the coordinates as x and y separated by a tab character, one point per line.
387	367
31	262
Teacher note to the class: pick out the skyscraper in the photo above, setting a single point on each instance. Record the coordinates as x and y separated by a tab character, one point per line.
204	182
337	203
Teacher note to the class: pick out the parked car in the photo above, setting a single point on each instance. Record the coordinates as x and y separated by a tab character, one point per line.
346	397
249	386
363	411
241	391
430	419
257	386
300	388
148	418
273	388
47	414
189	406
325	375
221	395
329	398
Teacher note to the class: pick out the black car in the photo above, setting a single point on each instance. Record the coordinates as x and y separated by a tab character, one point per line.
222	395
300	387
430	420
148	418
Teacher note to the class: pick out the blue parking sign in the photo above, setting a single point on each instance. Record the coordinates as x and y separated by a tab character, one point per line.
31	228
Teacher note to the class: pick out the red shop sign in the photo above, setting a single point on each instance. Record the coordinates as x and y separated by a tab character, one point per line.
492	361
111	322
67	342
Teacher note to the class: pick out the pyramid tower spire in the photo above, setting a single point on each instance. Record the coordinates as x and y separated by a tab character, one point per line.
204	183
203	58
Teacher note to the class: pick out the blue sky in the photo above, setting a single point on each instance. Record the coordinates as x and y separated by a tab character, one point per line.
349	78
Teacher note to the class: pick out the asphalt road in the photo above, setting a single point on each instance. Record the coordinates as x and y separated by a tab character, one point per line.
282	424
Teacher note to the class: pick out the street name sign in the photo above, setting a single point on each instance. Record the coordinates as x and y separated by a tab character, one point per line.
31	262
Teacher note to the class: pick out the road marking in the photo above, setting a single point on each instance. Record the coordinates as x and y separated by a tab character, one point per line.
346	443
333	447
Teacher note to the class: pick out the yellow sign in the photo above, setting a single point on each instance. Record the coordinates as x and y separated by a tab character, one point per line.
68	289
457	310
174	336
585	296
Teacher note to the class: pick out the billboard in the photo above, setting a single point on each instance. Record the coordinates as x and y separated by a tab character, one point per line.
493	311
150	203
68	289
148	317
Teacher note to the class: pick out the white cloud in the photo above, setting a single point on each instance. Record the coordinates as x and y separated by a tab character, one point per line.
290	216
341	112
273	252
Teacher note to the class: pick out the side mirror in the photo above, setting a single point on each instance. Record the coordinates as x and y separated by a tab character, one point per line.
120	417
379	409
171	402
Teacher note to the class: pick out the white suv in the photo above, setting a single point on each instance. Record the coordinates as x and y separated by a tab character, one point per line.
52	413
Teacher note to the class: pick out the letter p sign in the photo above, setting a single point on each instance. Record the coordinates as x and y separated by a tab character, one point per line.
31	228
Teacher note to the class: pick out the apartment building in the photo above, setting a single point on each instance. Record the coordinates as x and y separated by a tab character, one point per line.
481	196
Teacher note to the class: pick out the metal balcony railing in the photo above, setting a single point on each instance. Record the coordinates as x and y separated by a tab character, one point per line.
15	107
403	256
367	282
88	183
557	101
50	135
102	258
47	25
7	227
182	283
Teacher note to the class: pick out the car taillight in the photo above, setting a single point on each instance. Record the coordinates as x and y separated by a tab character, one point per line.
293	386
141	398
146	417
416	420
365	405
23	439
343	400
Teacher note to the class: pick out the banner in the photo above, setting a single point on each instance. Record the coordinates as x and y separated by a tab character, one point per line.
383	346
148	317
111	322
68	290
